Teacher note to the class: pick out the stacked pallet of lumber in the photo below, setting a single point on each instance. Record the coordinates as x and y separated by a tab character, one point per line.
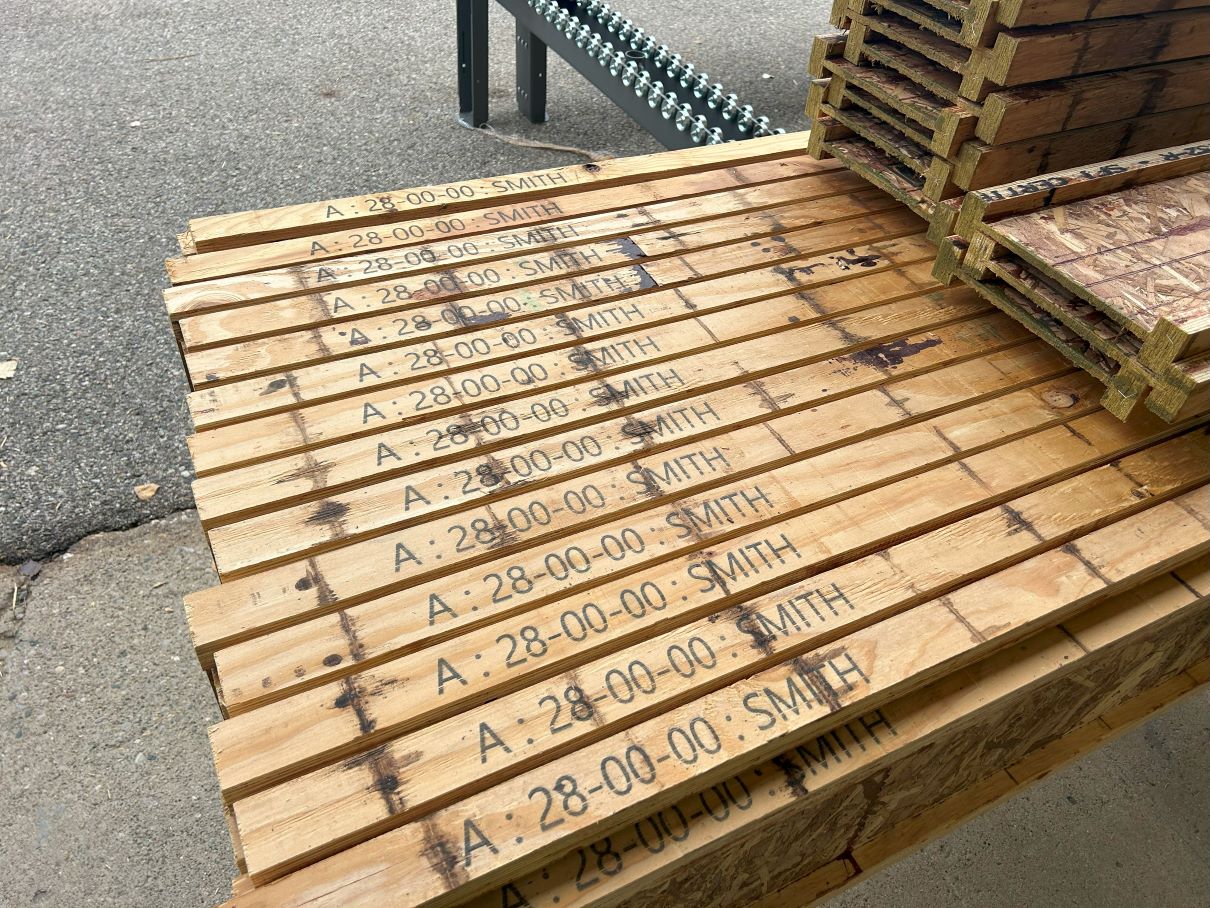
588	534
929	99
1110	264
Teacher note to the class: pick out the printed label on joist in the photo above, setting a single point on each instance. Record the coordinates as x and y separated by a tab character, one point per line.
225	231
509	520
498	441
214	624
321	724
906	316
343	287
664	257
375	263
569	337
679	472
596	698
483	838
896	740
336	244
580	307
343	517
572	375
493	430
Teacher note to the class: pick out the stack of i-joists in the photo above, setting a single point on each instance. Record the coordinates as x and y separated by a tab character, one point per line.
931	98
1111	265
655	531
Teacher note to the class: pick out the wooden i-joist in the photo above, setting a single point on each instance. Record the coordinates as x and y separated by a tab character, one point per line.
929	99
565	521
1110	264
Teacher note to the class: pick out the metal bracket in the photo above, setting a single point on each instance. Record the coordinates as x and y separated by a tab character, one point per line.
658	89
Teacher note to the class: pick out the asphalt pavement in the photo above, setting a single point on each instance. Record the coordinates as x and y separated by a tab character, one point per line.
120	119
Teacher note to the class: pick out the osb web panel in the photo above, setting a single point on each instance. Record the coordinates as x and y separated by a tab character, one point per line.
541	503
1143	252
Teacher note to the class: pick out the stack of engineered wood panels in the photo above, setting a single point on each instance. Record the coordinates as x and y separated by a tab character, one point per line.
1110	264
586	533
931	98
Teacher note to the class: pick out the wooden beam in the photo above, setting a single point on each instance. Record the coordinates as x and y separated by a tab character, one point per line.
478	836
475	222
227	231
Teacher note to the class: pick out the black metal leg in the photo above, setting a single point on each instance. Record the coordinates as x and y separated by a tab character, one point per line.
531	75
472	62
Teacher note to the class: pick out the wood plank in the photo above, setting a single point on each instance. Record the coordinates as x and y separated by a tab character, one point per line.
236	550
813	788
243	669
785	312
445	228
883	666
979	166
535	356
1075	261
1034	54
225	494
324	810
712	273
308	730
430	358
226	231
696	453
524	283
783	390
378	264
1015	13
817	90
363	561
1039	54
1074	103
230	445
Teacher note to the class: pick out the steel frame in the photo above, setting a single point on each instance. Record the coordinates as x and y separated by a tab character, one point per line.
657	88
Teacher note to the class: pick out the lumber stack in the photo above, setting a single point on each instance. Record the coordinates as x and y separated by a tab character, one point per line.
929	99
617	532
1111	265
